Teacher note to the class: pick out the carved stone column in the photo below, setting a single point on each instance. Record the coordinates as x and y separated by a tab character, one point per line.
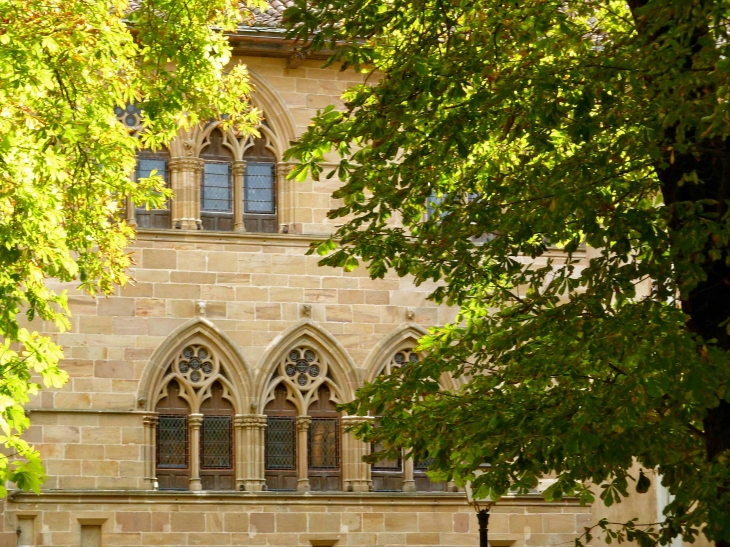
239	171
150	452
303	423
253	428
129	211
195	421
285	197
409	483
356	475
185	176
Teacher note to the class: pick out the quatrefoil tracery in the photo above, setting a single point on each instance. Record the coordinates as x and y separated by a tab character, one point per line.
303	367
400	359
196	364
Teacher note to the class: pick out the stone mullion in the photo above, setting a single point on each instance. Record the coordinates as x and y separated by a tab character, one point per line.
356	474
195	421
250	446
241	451
150	450
285	196
185	176
238	171
303	423
409	483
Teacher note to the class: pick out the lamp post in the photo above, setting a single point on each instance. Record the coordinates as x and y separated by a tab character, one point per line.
482	512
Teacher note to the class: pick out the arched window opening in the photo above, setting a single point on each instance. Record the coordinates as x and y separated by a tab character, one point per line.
324	443
173	457
398	474
147	163
216	442
216	188
303	439
196	444
281	442
259	193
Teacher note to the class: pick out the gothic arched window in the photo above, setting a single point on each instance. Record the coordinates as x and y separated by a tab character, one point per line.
303	435
400	474
194	440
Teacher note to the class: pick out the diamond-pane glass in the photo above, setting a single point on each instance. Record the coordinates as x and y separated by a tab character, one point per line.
259	194
172	442
215	442
423	466
216	189
385	464
280	443
323	445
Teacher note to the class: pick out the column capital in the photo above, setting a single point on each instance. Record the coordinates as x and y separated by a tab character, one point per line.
195	420
303	423
238	168
185	164
250	421
150	420
348	421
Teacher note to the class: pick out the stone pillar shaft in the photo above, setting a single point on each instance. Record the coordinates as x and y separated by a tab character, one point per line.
185	177
253	428
238	172
303	423
409	483
195	421
356	474
150	450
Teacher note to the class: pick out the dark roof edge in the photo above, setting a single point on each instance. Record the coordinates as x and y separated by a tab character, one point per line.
270	42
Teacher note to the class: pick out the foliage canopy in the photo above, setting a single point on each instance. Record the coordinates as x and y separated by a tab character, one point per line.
602	124
65	160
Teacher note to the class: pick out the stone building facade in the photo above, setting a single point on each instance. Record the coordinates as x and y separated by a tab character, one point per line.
200	408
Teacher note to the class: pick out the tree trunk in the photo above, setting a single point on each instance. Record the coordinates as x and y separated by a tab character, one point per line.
708	304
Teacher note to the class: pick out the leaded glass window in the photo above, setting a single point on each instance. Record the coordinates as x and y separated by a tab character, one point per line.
323	444
172	442
216	187
386	464
259	188
280	443
145	167
216	447
423	465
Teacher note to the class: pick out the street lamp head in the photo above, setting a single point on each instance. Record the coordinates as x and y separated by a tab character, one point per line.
470	491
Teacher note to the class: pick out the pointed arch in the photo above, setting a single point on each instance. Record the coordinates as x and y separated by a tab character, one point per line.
235	373
306	333
279	120
404	337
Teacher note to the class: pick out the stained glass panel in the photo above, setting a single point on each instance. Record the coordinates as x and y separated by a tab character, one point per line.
323	444
280	443
172	442
215	443
259	194
216	188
